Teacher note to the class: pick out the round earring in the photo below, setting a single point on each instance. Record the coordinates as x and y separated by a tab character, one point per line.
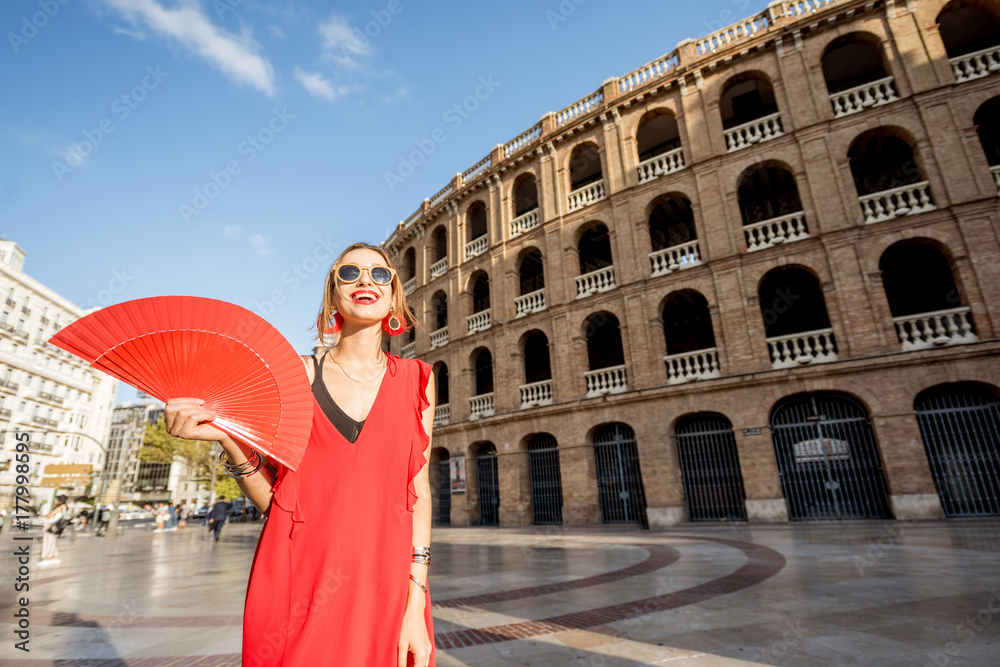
393	325
338	322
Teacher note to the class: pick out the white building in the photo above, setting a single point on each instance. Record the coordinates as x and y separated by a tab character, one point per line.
57	398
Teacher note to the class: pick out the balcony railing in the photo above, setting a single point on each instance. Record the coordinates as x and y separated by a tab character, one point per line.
442	413
6	328
10	302
8	385
587	195
897	202
439	267
660	165
536	394
524	223
937	329
481	406
409	351
606	381
45	396
40	446
691	366
601	280
676	257
975	65
775	231
476	247
409	286
26	310
439	338
478	321
801	349
5	413
865	96
44	320
996	176
21	333
532	302
755	132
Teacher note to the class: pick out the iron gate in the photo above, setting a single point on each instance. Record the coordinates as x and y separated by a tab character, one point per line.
619	480
710	469
827	459
960	425
444	493
489	486
546	479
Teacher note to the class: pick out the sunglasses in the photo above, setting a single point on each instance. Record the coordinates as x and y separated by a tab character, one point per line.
351	273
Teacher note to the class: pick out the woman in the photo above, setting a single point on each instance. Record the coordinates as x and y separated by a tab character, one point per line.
340	572
50	554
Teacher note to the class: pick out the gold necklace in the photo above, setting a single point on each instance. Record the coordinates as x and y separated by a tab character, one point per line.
344	370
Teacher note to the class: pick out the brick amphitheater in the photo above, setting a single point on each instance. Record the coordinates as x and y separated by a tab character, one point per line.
757	279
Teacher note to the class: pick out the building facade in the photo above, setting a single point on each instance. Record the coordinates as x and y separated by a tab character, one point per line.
755	279
63	403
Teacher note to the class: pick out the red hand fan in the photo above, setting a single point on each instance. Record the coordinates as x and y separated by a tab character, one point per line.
186	346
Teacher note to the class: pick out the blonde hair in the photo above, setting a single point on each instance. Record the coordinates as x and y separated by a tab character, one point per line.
397	306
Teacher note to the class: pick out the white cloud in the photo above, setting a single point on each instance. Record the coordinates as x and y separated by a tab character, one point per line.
232	230
343	44
235	56
259	242
315	83
276	32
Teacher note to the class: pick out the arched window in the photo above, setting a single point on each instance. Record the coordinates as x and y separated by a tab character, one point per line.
484	372
672	235
619	477
440	309
585	166
987	120
690	338
795	318
525	194
926	306
605	355
537	387
770	207
409	264
749	111
887	176
480	318
710	468
440	239
658	142
546	479
441	382
856	74
968	27
594	252
531	272
476	220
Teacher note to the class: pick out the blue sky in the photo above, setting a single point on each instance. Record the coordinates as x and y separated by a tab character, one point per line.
229	148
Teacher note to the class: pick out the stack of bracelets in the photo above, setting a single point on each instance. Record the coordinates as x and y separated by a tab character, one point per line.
422	556
243	470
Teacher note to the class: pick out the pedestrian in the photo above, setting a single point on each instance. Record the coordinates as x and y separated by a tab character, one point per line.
103	520
55	523
161	517
81	523
217	517
182	513
172	517
348	531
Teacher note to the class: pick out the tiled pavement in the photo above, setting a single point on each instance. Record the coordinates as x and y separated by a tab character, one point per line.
877	593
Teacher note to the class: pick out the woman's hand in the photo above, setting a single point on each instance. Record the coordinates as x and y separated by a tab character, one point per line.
186	418
413	639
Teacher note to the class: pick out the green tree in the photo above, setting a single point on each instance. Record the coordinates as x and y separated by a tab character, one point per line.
226	487
158	446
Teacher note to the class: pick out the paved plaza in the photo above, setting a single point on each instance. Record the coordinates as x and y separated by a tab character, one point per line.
877	593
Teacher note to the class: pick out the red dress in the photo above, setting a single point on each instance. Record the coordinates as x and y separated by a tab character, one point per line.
330	578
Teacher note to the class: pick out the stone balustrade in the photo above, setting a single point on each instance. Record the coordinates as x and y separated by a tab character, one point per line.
476	246
409	351
439	338
755	132
671	259
481	406
612	380
904	200
524	222
936	329
660	165
601	280
691	366
478	321
536	394
587	195
801	349
439	267
409	286
533	302
442	415
772	232
865	96
976	65
996	176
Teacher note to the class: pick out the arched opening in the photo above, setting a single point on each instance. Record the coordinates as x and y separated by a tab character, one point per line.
619	477
525	194
671	222
604	341
444	488
987	120
851	61
475	220
710	468
657	134
585	166
484	372
440	241
888	178
441	383
409	264
594	249
795	318
546	479
481	293
923	297
960	427
537	366
968	27
770	207
488	479
531	272
690	338
828	459
746	98
439	309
